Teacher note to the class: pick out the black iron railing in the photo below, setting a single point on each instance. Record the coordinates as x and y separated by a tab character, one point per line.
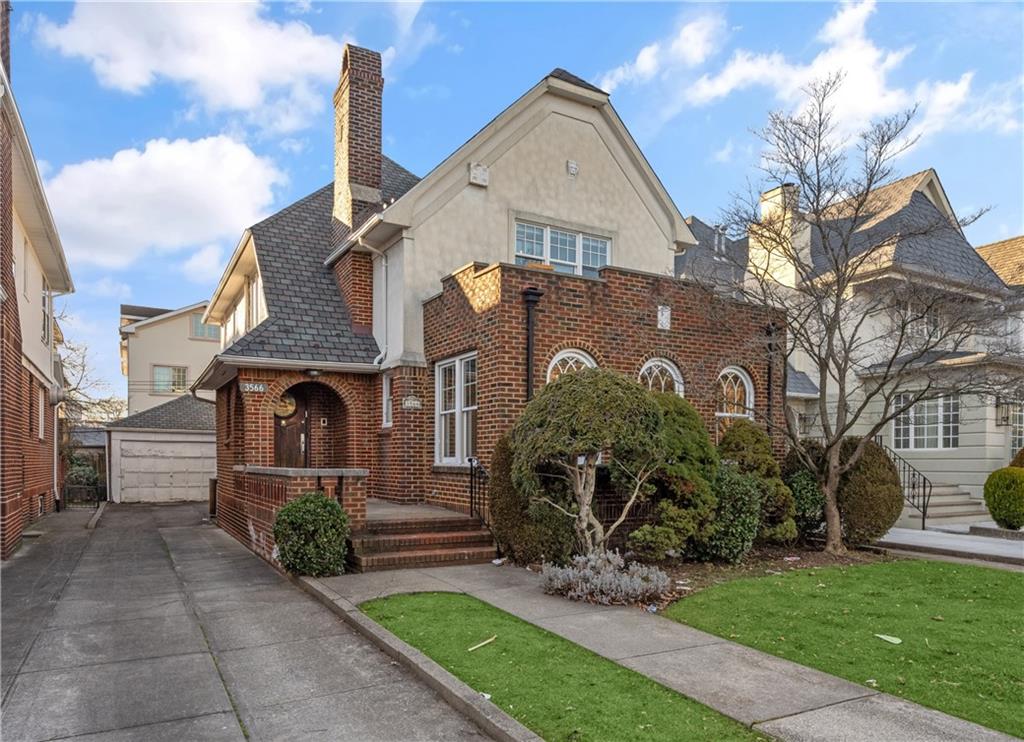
917	488
478	479
83	495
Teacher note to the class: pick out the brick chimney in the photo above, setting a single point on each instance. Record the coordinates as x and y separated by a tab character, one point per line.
5	36
357	124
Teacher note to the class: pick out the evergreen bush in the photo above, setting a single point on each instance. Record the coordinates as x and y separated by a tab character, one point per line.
737	517
310	533
870	496
1004	497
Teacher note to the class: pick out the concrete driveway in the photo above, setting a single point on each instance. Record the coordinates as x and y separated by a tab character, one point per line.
158	626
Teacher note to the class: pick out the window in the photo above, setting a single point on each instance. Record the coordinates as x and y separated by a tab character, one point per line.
1016	428
47	333
735	397
928	424
42	413
170	379
203	331
566	251
386	409
661	375
456	410
568	361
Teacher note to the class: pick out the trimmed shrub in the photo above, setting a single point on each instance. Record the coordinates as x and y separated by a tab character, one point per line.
82	475
527	533
751	449
809	501
686	505
792	463
870	496
737	517
603	577
310	533
1018	460
1004	497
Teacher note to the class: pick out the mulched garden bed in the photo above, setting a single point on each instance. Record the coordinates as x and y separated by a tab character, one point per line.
688	578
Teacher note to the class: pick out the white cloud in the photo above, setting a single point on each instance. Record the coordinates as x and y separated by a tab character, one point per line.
691	45
108	288
205	265
230	56
412	35
168	196
293	146
724	154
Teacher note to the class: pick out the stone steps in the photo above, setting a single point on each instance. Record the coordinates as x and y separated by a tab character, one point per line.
398	543
948	504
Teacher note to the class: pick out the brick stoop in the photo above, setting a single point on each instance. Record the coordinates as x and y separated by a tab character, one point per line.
398	544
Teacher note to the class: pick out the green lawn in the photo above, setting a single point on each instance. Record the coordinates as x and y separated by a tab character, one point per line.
556	688
962	629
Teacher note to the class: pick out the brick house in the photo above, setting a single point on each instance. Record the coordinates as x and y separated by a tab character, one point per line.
380	334
33	270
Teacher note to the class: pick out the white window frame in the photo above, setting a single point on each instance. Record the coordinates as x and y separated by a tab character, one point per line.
747	383
387	405
569	354
42	413
197	317
577	266
947	418
670	368
1016	428
458	411
47	334
172	389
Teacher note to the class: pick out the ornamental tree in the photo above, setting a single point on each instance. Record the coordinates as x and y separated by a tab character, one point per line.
567	428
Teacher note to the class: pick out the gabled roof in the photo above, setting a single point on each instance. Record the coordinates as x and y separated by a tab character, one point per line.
565	76
799	384
1006	258
183	413
141	312
131	327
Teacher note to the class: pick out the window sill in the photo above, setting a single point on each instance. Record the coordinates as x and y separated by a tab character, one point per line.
450	468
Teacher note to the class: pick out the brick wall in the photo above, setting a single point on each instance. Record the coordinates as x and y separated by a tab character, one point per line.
353	272
357	128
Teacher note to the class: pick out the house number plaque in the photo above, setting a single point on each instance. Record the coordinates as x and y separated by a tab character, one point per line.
254	387
411	403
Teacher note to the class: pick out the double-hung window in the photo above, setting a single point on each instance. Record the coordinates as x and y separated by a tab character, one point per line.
170	379
456	408
386	404
928	424
41	430
564	250
1016	428
47	334
203	331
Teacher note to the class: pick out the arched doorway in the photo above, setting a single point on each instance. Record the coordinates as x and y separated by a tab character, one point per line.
308	427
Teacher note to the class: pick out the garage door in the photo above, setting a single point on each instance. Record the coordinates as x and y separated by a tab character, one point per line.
161	471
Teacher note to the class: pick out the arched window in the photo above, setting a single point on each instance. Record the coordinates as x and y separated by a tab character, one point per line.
567	361
735	397
661	375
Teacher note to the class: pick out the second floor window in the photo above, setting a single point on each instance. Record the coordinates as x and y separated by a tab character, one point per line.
203	331
170	379
928	424
566	251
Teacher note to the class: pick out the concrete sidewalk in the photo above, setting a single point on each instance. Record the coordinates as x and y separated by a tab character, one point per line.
156	626
961	545
778	697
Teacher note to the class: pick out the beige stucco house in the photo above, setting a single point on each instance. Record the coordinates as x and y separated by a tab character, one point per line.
163	351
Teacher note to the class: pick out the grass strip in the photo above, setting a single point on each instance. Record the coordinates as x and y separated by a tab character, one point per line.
556	688
961	626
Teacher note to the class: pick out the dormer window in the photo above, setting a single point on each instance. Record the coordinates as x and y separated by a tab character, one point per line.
564	250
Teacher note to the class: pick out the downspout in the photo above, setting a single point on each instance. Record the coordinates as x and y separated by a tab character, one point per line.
384	264
771	331
531	296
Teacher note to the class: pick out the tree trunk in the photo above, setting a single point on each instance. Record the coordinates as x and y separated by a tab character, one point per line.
833	524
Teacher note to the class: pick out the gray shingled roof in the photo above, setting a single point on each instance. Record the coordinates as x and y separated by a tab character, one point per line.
700	263
307	318
135	310
183	413
565	76
797	382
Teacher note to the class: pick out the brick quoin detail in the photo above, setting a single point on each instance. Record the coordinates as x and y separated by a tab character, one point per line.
353	272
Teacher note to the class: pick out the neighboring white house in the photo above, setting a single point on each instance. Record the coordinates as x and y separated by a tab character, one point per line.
163	351
163	454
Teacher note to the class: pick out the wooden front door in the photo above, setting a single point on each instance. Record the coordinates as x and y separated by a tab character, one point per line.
291	430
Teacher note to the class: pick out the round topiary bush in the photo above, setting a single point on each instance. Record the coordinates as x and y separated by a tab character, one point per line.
870	496
737	517
310	532
1004	497
527	533
751	449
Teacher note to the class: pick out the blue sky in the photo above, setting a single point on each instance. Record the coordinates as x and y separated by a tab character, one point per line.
164	130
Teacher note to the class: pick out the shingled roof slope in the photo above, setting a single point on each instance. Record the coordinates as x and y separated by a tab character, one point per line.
797	382
183	413
565	76
135	310
307	318
1006	258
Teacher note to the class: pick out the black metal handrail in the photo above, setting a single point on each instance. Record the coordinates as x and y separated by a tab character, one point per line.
478	479
917	488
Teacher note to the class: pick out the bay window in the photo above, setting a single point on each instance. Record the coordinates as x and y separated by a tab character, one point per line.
455	409
564	250
927	424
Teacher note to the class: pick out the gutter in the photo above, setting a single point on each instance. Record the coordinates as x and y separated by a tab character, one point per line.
280	363
354	238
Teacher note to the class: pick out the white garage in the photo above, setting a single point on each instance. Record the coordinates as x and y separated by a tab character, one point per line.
164	454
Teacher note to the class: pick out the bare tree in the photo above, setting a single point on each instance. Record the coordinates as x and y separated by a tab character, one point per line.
853	260
87	396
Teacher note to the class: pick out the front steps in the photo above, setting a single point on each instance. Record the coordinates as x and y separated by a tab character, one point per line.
420	542
948	504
